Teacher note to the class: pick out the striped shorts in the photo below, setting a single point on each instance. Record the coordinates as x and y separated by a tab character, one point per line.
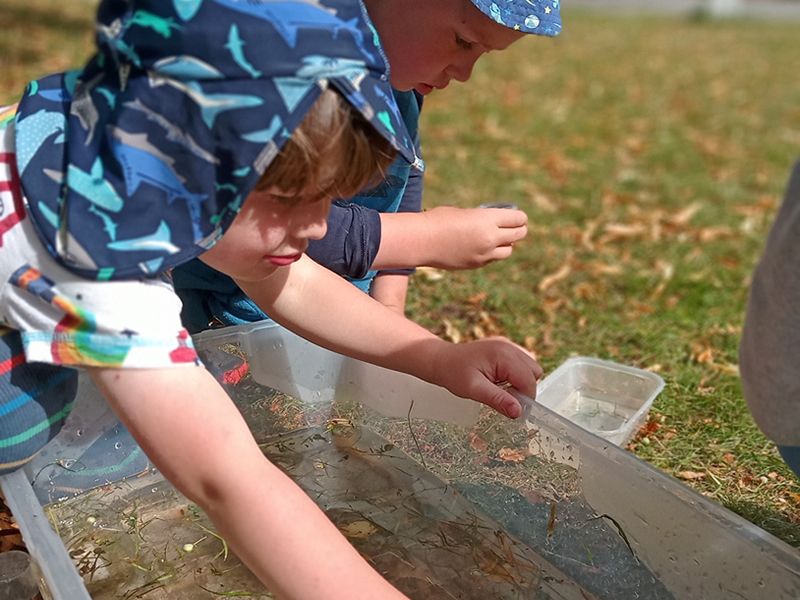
35	399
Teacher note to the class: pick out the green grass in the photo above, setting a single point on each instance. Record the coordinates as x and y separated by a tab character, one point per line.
607	137
604	136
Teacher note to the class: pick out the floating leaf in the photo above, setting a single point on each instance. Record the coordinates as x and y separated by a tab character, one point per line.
358	530
477	443
511	455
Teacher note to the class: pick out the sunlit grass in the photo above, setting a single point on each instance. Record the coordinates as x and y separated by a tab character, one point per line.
650	155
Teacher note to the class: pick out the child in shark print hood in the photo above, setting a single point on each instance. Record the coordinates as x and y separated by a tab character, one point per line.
215	129
376	238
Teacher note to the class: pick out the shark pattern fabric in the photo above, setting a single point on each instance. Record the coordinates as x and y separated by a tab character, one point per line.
141	160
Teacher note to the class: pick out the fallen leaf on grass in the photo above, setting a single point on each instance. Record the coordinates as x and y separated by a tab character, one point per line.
622	231
711	234
511	455
691	475
451	332
598	269
477	299
683	216
649	428
554	278
543	203
430	274
703	354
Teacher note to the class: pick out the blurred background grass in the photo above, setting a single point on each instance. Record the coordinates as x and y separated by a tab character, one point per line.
650	154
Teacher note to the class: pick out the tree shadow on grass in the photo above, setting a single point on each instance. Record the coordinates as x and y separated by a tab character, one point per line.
769	519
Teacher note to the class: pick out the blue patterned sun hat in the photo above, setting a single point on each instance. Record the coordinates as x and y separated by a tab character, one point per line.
140	161
541	17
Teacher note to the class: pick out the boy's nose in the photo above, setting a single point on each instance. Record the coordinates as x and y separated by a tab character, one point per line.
463	70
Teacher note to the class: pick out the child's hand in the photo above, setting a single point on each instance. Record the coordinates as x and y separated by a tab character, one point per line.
468	238
474	370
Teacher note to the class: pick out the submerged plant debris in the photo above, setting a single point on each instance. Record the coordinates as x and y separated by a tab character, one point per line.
489	515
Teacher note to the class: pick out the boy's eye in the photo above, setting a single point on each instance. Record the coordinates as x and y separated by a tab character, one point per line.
462	43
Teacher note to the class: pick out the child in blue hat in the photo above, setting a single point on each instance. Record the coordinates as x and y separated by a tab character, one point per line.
215	129
377	237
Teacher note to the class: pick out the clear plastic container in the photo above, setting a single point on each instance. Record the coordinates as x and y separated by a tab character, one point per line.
608	399
555	511
287	362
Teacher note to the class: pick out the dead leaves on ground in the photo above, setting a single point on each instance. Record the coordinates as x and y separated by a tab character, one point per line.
691	475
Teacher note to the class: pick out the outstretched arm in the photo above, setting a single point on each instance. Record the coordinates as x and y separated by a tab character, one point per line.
325	309
448	237
196	437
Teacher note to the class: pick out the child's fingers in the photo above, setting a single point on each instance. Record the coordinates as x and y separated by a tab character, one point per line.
504	217
501	252
497	398
509	235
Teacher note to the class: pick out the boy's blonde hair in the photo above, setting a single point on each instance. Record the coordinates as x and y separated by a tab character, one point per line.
333	153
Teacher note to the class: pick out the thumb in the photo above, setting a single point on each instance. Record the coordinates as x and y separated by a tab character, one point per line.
497	398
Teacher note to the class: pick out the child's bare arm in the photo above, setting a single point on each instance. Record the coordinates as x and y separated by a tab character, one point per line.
448	237
391	290
327	310
196	437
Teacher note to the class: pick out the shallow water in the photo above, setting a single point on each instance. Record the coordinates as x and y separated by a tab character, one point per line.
442	512
141	538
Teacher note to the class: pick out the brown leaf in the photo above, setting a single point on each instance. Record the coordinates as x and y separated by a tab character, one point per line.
703	354
598	269
451	332
529	343
430	274
710	234
649	428
554	278
615	231
691	475
683	216
358	530
477	443
511	455
729	458
543	203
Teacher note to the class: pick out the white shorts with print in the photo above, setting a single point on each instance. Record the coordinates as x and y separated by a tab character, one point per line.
67	320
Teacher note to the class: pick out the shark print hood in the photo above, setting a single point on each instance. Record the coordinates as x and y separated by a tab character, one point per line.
141	160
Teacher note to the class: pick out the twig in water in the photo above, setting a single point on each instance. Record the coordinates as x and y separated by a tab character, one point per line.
619	531
551	522
413	435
